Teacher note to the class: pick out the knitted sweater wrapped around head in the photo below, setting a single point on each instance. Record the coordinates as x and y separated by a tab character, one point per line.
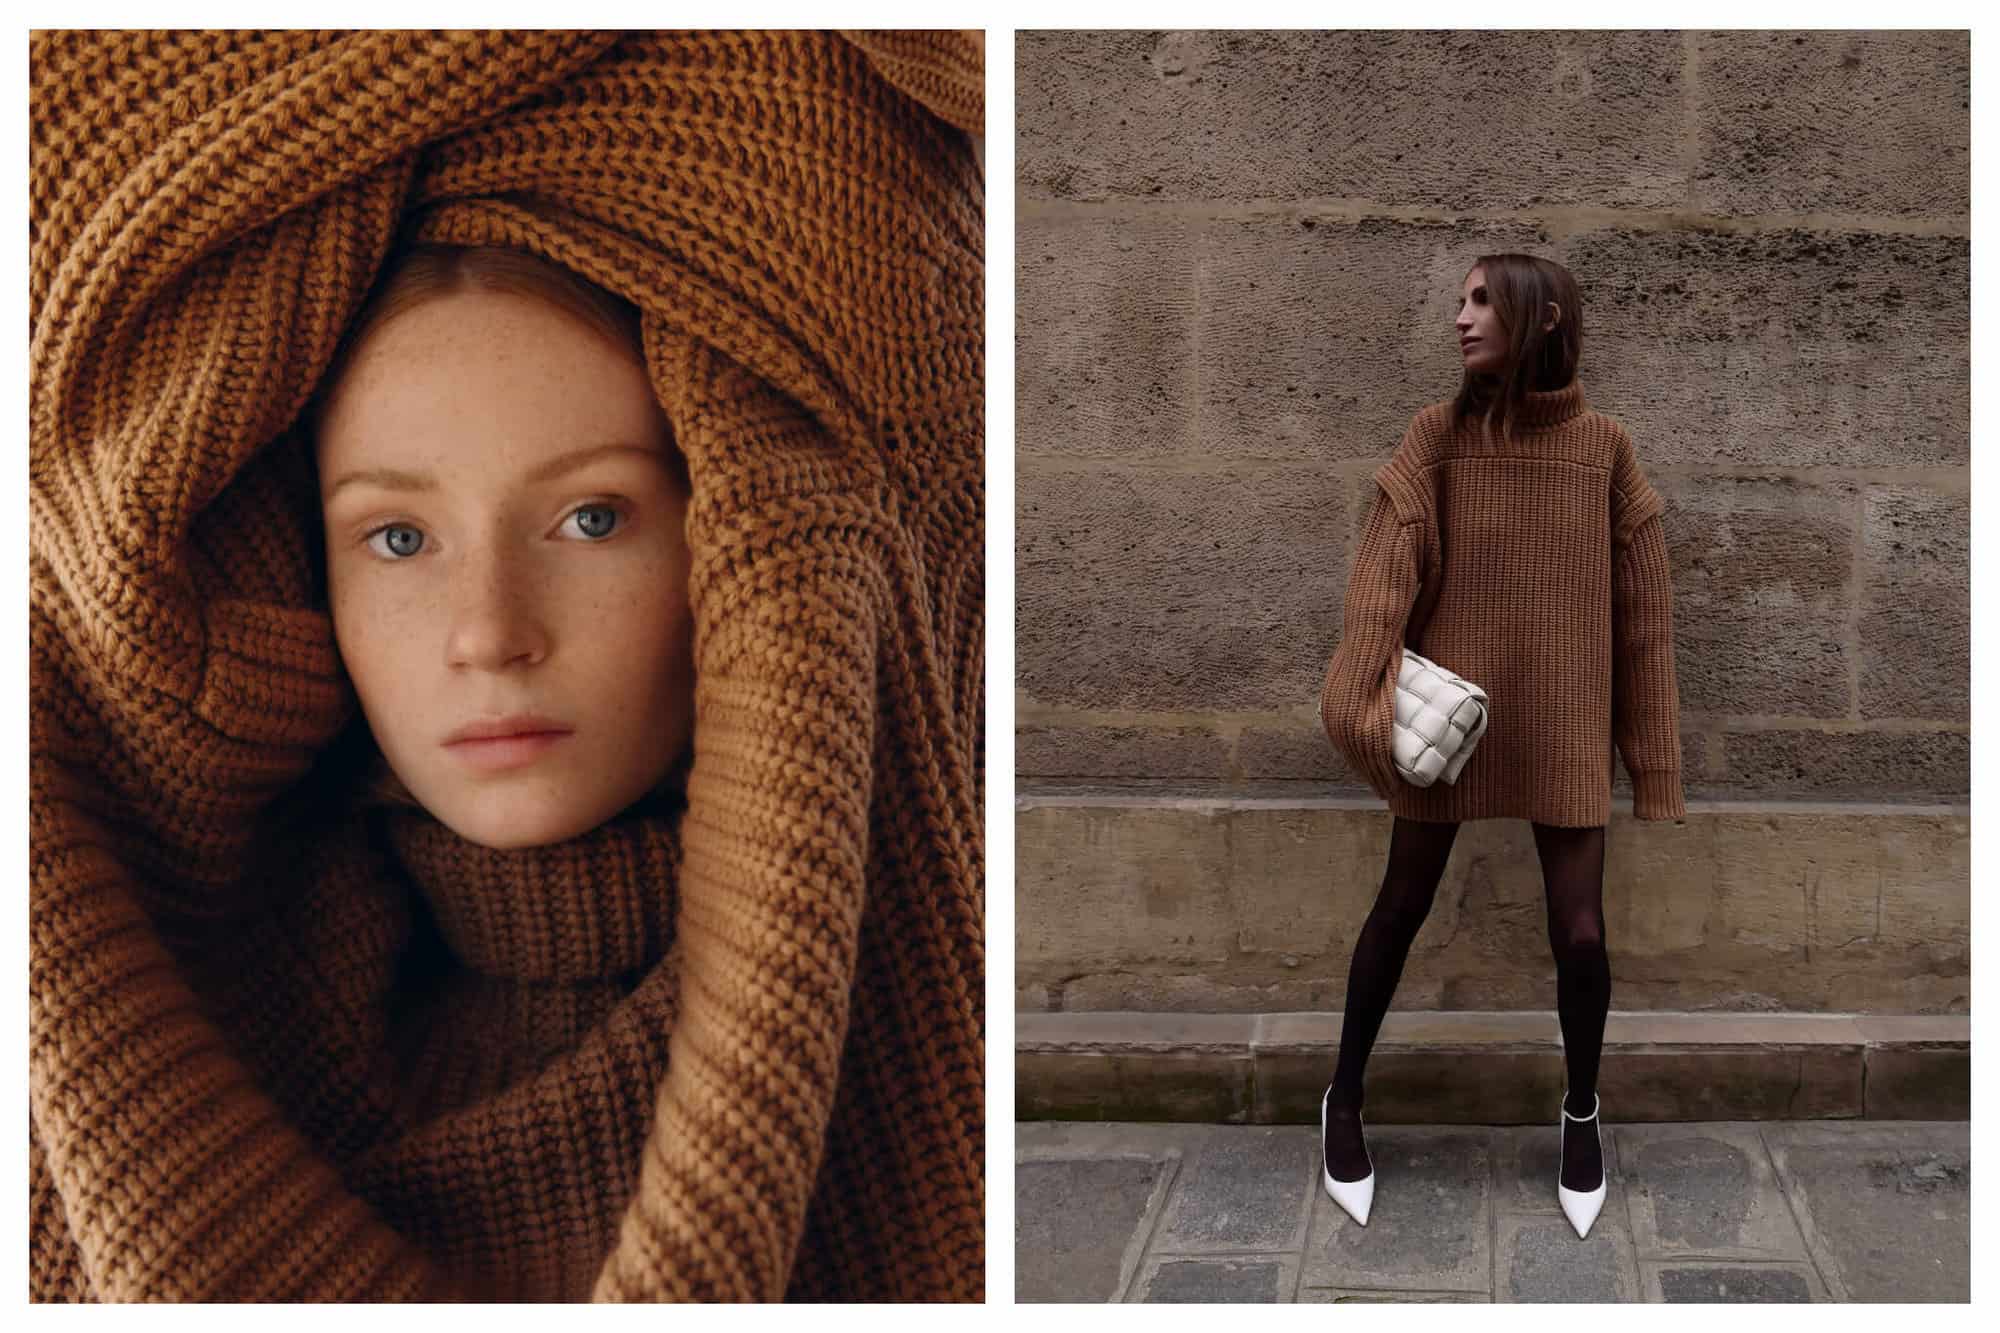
285	1047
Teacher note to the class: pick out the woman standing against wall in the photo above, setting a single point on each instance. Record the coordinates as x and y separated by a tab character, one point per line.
1514	540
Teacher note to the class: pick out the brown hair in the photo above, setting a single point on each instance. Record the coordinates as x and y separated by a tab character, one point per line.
421	271
1520	288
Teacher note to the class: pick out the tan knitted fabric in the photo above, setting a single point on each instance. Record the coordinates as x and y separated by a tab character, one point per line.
283	1046
1536	569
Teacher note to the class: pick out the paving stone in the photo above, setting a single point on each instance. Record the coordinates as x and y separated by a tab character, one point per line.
1528	1158
1074	1224
1540	1259
1465	1216
1353	1295
1705	1190
1427	1229
1884	1206
1213	1281
1734	1284
1241	1190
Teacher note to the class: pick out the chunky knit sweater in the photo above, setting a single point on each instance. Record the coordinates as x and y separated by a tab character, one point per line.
1537	569
283	1045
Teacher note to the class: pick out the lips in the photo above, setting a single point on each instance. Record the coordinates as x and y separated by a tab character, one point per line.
513	724
498	744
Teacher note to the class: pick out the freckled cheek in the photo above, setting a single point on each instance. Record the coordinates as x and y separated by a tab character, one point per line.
379	638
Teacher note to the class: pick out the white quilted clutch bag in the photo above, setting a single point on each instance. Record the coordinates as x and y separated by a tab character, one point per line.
1440	716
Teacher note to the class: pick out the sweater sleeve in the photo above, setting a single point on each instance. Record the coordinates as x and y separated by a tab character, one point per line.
1645	696
1358	701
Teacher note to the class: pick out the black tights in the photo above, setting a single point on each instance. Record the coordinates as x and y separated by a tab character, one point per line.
1573	878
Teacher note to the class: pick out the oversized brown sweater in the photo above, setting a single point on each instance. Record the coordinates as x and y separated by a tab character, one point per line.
1536	569
284	1046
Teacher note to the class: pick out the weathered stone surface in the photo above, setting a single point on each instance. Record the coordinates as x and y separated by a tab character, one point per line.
1496	1068
1886	890
1104	358
1210	1088
1075	1222
1779	348
1213	1281
1916	621
1120	752
1806	764
1298	751
1731	1284
1311	988
1241	1191
1853	1186
1123	886
1301	751
1704	1191
1319	342
1256	906
1427	1229
1357	1296
1415	1085
1902	1083
1864	122
1734	1084
1300	884
1540	1259
1552	118
1760	593
1418	1069
1176	590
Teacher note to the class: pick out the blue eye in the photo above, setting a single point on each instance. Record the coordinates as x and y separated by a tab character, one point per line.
601	528
397	552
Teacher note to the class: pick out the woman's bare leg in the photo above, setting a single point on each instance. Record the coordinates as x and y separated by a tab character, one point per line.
1573	874
1418	851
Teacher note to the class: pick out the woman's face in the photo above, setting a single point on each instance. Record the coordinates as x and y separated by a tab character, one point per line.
1482	341
505	537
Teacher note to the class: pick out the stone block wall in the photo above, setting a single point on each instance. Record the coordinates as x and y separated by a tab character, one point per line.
1239	261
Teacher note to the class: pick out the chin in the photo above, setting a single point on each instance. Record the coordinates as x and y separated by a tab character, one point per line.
508	830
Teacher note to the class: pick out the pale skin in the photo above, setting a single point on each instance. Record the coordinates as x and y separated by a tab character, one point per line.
1479	319
483	582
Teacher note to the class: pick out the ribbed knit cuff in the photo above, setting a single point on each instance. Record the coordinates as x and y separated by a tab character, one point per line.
1657	795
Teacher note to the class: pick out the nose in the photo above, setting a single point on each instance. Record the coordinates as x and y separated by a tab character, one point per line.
495	615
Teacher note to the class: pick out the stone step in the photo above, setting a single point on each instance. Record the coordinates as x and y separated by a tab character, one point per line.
1492	1067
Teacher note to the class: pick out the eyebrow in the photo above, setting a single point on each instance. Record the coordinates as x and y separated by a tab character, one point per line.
395	479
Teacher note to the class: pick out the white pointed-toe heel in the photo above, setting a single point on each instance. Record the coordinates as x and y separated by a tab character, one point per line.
1580	1206
1354	1196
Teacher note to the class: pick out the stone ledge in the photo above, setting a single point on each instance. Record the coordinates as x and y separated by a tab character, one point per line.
1492	1067
1220	904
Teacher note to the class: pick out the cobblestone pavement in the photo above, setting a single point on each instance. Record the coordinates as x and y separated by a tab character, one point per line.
1745	1211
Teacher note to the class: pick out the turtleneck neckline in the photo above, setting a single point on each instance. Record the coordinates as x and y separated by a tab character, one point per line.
588	908
1552	407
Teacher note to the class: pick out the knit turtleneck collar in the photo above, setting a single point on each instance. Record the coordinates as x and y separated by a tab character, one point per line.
1552	407
588	908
